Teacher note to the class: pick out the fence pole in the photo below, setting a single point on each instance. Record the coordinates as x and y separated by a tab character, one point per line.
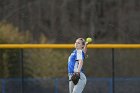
3	86
22	70
113	71
56	85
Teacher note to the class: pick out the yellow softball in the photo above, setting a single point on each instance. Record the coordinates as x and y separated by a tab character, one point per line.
88	39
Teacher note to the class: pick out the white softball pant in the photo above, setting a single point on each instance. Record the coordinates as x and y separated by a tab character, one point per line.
80	85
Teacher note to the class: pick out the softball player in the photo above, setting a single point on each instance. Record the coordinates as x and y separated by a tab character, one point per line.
75	64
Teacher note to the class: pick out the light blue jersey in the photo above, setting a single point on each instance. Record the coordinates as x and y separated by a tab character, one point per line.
75	56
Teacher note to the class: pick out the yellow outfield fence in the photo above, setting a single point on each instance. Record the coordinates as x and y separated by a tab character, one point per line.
68	46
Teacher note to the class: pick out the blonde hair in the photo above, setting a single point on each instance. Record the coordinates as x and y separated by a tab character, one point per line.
83	40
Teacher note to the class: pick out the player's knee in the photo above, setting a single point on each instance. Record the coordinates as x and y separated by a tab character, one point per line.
75	91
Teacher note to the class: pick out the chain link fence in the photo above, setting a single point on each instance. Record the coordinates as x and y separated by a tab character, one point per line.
38	71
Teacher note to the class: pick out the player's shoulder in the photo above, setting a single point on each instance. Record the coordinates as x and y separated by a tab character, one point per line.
74	51
80	51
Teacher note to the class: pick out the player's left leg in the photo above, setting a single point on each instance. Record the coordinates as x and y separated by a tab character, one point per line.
81	84
71	85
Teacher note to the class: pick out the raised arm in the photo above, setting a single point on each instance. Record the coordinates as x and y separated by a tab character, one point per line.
85	47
